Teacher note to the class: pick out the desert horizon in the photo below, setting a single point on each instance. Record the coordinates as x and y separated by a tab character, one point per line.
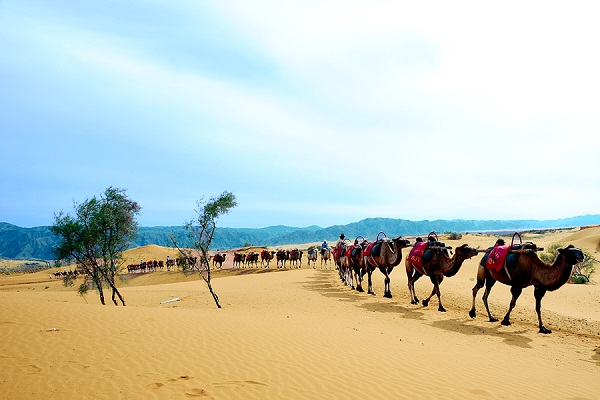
297	334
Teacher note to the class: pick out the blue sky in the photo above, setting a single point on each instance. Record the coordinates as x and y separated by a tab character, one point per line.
311	113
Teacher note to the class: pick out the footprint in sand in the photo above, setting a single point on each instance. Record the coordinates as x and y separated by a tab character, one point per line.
196	392
155	385
33	369
479	392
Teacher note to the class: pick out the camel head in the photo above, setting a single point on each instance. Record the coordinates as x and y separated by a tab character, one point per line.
401	243
466	251
572	254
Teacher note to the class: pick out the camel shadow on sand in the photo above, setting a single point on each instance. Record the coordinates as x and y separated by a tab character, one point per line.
517	338
322	284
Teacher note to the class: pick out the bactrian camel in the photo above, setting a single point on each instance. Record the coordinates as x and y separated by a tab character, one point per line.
436	265
522	270
385	255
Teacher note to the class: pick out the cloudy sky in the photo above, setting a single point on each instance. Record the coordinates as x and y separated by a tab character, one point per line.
310	112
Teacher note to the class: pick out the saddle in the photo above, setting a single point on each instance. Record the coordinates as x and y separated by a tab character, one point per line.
497	257
416	254
500	256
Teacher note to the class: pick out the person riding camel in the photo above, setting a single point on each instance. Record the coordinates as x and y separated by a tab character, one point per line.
324	247
339	247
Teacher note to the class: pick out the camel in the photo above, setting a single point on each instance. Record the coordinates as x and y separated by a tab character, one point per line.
356	262
295	257
219	259
436	264
385	255
251	258
325	255
282	257
265	257
312	255
238	259
344	265
522	270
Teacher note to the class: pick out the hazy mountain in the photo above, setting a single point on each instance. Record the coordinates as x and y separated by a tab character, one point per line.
38	242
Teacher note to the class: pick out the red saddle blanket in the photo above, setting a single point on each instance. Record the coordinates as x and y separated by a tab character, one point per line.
416	254
368	249
497	257
348	252
337	252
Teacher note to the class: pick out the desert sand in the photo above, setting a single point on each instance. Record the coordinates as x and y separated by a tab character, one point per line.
297	334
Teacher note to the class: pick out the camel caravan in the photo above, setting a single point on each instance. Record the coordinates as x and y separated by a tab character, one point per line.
516	265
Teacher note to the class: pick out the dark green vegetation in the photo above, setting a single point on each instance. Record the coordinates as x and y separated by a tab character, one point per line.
37	243
95	236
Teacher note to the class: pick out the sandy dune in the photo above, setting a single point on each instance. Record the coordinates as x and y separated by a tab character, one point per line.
296	334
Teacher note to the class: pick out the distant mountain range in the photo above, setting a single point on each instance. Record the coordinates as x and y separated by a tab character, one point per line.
37	243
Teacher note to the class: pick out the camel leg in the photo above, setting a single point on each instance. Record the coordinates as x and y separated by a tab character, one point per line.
387	292
538	293
437	280
411	286
359	276
436	291
478	285
516	292
370	281
349	278
426	301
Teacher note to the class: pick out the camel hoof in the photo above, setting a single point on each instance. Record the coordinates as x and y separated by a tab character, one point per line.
425	303
493	319
414	301
359	289
387	295
441	309
506	322
472	313
545	330
371	293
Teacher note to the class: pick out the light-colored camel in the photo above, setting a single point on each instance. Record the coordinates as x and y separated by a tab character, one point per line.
436	265
522	270
325	256
385	255
312	255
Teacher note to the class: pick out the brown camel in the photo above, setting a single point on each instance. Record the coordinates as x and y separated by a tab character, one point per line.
436	265
357	261
385	255
265	257
522	270
282	256
219	259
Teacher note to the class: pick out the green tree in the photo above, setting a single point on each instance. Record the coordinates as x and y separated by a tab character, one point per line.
96	236
200	233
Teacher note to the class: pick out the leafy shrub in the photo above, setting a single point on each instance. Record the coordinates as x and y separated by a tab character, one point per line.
454	236
581	272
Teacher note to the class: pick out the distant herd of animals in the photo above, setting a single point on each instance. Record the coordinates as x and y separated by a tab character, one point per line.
516	265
